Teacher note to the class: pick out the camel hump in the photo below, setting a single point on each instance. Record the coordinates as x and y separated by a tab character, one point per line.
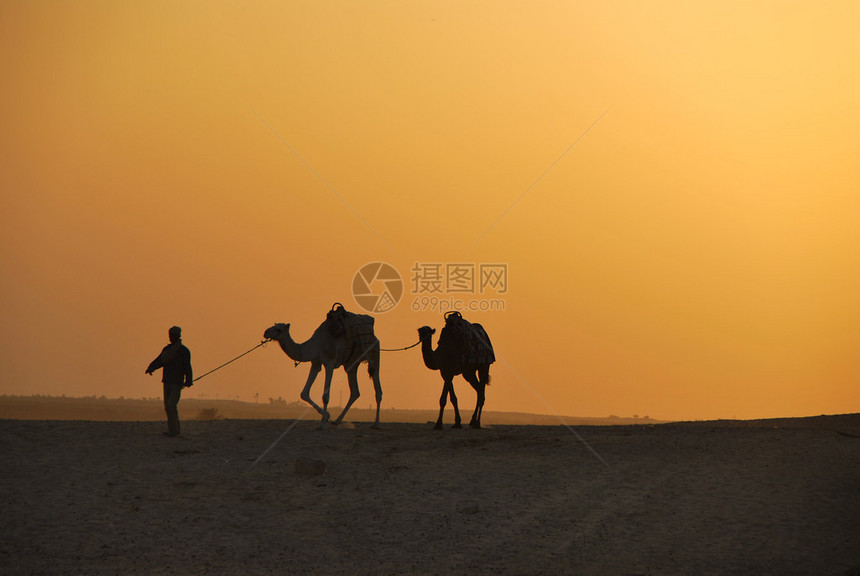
472	339
355	327
482	347
484	338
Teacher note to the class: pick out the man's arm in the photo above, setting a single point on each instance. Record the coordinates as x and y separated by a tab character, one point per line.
154	365
166	355
189	374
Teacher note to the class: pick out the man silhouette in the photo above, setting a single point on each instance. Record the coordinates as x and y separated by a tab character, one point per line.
175	359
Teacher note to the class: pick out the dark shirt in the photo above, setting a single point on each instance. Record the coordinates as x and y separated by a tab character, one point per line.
175	358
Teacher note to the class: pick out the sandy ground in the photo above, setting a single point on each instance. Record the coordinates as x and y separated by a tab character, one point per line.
770	497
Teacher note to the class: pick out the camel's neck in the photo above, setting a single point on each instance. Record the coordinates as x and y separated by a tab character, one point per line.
307	351
429	354
292	348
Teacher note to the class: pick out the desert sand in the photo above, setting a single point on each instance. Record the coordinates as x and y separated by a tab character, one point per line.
281	497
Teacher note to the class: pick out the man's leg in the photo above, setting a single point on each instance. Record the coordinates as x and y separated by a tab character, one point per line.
171	407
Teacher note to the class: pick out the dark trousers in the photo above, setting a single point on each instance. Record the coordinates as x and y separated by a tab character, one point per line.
171	407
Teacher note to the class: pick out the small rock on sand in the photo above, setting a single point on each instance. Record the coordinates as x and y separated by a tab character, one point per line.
468	508
310	467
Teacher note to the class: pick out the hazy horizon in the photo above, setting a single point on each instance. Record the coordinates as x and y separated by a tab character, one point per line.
670	189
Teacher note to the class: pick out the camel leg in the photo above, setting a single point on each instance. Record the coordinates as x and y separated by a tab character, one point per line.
472	379
352	378
479	407
457	423
442	401
377	386
306	391
329	371
483	380
450	383
447	389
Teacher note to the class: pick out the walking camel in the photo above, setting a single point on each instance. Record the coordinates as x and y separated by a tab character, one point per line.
334	344
463	348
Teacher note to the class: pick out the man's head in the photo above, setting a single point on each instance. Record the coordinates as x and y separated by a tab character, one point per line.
175	334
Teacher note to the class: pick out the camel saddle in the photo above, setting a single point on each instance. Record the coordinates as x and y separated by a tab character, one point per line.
356	328
471	337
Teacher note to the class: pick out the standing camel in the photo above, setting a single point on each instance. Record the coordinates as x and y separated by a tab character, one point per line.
331	347
463	348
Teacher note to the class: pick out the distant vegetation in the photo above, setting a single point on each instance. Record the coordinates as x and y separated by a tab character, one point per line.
208	414
125	409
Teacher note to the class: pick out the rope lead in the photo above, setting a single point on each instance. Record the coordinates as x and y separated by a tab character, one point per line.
262	343
399	349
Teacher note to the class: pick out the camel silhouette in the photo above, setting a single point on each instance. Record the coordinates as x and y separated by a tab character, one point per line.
457	353
330	347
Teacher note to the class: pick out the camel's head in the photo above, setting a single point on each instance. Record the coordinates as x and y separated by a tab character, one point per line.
425	333
276	331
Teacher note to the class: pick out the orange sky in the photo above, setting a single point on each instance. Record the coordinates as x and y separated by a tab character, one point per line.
695	255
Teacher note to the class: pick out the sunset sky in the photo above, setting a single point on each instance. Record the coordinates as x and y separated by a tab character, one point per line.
674	188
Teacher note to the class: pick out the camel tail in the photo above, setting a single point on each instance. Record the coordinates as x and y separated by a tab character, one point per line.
484	375
371	369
